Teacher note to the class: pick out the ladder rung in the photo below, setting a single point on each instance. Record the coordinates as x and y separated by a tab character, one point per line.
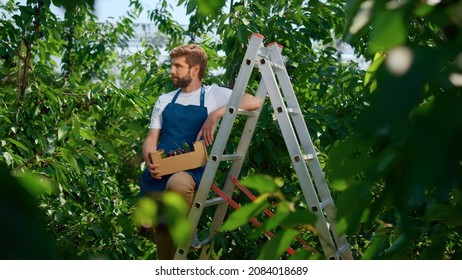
291	111
308	157
214	201
325	203
247	113
200	244
229	157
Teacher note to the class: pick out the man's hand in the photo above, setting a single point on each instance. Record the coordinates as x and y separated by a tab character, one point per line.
208	128
154	170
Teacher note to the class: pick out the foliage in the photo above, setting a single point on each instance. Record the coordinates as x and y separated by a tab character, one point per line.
73	126
75	108
20	218
402	165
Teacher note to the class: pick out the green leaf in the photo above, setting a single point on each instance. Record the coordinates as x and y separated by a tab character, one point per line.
18	144
274	248
67	155
379	57
35	184
62	131
299	217
389	30
283	210
146	213
87	134
449	214
175	212
191	6
243	215
210	8
175	200
352	214
76	129
262	183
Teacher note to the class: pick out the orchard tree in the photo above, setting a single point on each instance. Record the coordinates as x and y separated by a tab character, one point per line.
402	164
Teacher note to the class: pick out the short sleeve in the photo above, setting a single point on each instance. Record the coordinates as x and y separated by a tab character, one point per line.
221	95
156	116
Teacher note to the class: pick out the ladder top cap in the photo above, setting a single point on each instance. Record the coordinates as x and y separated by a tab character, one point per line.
258	35
274	43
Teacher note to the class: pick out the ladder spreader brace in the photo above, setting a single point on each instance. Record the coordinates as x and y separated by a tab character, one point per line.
275	83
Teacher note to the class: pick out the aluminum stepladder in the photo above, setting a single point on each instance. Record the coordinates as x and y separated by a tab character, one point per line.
275	83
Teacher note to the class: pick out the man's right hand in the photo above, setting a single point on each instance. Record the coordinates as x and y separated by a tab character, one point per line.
154	170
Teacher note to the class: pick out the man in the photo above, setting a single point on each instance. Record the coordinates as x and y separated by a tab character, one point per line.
188	114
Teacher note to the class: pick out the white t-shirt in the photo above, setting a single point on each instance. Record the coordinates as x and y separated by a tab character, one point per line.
215	97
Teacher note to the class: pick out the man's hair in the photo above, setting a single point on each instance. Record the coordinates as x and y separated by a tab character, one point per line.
194	55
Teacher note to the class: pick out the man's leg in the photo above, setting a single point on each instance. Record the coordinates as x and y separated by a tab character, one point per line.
184	184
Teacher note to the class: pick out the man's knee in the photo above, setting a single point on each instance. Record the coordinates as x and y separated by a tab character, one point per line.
182	183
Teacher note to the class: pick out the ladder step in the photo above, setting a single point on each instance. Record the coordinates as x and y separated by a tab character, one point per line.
214	201
308	157
229	157
197	244
322	204
290	111
325	203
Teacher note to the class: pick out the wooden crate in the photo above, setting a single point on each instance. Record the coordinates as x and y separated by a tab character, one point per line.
186	161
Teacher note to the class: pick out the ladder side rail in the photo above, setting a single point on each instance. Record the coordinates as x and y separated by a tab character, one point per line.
224	131
311	197
236	166
303	134
300	126
308	147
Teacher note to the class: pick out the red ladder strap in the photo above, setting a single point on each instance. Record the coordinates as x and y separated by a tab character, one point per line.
254	221
267	211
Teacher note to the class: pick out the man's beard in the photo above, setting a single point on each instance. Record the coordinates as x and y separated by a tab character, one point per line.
182	82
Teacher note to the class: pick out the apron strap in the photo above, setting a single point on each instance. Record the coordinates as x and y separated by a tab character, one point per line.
176	95
202	96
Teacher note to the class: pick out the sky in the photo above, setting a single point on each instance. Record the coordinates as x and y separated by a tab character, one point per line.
113	9
105	9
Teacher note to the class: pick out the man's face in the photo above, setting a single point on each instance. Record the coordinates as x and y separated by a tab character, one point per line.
180	72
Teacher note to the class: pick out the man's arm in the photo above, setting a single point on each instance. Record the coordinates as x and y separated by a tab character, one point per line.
150	146
248	102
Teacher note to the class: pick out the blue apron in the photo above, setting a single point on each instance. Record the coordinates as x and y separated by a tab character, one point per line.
180	124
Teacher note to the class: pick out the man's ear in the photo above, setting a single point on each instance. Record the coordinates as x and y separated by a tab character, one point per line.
196	68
